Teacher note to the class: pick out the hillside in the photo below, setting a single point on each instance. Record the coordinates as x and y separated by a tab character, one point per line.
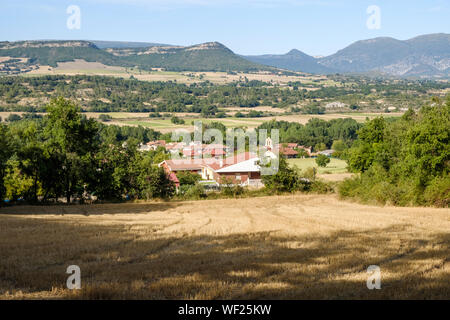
125	44
294	60
422	56
49	53
427	55
211	56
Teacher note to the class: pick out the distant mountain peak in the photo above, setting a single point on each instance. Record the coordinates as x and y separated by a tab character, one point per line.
213	45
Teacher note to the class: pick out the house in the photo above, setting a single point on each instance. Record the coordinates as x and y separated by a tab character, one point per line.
327	153
307	149
171	167
289	150
153	145
242	169
205	151
177	165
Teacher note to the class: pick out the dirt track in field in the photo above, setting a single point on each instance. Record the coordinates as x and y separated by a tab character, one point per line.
281	247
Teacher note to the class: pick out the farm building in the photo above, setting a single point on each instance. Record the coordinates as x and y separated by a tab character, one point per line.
242	169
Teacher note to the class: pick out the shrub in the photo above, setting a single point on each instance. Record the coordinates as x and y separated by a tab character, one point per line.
13	117
322	160
188	178
176	120
232	190
285	180
104	117
159	185
195	192
320	187
438	192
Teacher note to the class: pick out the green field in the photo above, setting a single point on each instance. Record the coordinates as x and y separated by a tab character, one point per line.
167	124
335	166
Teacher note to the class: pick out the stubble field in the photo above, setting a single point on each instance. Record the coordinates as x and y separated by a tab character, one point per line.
279	247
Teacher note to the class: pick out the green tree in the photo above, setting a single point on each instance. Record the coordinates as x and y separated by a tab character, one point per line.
320	147
176	120
13	117
188	178
158	184
322	160
369	144
285	180
5	154
104	117
338	145
302	153
71	140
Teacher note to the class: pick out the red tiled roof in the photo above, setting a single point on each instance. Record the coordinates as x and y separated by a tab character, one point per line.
183	164
215	164
288	151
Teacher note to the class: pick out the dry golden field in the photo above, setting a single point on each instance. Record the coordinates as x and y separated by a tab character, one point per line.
280	247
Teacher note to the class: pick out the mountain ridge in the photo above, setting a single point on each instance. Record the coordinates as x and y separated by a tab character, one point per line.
423	56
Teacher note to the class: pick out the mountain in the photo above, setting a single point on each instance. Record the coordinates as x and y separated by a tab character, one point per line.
125	44
427	55
51	52
422	56
210	56
294	60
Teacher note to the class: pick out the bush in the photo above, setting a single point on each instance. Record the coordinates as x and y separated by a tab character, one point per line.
322	160
195	192
13	117
285	180
438	192
104	117
188	178
176	120
319	186
232	190
159	185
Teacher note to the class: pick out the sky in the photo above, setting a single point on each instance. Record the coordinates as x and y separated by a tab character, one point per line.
316	27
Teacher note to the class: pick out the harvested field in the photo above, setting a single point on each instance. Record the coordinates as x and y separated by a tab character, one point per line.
281	247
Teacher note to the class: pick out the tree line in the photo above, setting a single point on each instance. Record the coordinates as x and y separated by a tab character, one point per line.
66	155
403	162
110	94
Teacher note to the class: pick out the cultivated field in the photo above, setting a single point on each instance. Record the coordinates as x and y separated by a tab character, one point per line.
164	125
286	247
79	66
335	165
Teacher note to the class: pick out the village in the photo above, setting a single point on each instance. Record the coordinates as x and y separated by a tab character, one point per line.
218	164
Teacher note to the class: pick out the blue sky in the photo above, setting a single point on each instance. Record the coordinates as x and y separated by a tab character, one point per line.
317	27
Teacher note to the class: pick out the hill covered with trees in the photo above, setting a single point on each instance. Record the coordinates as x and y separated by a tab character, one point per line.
211	56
